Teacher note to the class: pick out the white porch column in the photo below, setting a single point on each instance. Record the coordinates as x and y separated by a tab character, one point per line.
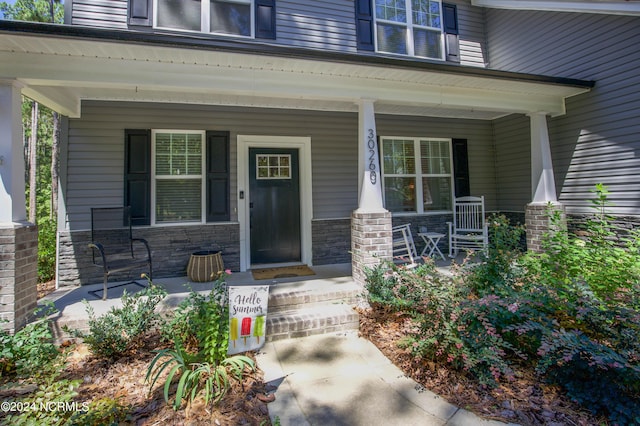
371	240
12	183
543	185
370	182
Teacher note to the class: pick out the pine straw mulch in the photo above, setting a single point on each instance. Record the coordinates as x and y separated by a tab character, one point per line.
525	400
124	379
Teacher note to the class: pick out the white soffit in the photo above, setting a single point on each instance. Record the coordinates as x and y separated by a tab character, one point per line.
612	7
61	73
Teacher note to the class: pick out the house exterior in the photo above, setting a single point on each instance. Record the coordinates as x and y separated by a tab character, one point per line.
288	131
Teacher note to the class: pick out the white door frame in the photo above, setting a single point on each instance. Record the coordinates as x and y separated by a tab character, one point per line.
303	145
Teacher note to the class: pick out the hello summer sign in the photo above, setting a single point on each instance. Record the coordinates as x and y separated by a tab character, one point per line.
247	317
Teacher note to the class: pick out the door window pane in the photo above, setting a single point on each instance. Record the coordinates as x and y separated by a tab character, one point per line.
273	166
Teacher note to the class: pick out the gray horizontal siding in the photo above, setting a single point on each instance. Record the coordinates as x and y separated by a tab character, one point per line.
99	13
96	150
472	34
513	162
328	24
479	135
597	140
94	172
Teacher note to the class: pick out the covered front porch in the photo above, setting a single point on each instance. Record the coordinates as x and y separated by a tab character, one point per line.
85	73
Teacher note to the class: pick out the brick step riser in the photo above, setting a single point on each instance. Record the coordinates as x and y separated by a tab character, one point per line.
297	324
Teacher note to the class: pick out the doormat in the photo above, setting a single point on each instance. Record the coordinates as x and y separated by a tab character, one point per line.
284	272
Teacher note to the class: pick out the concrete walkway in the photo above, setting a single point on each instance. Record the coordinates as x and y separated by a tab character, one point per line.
342	379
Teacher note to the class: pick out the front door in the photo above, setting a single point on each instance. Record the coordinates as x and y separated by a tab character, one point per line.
274	216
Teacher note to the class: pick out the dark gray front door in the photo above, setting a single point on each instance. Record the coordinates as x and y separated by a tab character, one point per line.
274	205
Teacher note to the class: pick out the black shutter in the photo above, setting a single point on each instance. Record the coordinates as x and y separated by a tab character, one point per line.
218	177
137	175
141	13
364	25
451	37
266	19
461	168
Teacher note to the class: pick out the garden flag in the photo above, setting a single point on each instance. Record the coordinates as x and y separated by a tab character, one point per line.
247	317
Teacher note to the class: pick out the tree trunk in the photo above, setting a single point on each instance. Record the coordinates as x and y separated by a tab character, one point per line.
33	165
55	149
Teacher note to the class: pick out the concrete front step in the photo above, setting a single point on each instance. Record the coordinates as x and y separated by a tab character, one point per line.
311	320
288	297
295	309
310	308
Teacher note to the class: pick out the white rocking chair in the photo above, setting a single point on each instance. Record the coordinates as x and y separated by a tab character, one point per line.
403	245
468	231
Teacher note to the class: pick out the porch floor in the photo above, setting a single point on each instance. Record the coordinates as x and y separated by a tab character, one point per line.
72	310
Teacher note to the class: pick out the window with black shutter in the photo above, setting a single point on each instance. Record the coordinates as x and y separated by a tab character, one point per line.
185	162
227	17
421	28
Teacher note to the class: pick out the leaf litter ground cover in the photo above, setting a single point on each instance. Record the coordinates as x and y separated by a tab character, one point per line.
124	380
525	400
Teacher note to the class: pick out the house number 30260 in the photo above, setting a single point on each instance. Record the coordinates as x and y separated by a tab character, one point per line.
371	145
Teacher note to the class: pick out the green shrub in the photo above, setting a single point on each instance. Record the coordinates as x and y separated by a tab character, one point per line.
199	329
498	271
571	313
46	249
29	351
112	334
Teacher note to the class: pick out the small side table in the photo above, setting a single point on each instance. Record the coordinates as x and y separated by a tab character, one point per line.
431	240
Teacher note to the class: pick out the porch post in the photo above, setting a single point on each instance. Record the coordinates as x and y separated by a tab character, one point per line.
18	238
543	186
371	240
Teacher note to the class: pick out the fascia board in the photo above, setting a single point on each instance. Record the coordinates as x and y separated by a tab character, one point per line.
612	7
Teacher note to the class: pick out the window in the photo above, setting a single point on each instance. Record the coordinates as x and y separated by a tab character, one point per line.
233	17
409	27
417	174
178	170
273	166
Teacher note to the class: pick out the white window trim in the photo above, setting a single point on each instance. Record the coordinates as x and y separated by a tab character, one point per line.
418	174
409	25
205	19
154	178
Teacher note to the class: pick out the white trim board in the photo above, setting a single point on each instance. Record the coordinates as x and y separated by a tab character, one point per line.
303	145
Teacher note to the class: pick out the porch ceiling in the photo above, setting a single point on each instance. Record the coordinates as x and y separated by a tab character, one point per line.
60	71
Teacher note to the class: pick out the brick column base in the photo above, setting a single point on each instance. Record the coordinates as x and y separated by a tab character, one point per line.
371	241
18	274
538	223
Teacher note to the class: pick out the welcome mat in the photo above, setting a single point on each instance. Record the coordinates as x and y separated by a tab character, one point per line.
283	272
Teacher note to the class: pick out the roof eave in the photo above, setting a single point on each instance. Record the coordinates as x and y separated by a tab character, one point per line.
268	49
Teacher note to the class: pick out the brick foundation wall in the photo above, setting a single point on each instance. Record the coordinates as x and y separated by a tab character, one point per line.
171	248
371	242
331	241
18	274
537	223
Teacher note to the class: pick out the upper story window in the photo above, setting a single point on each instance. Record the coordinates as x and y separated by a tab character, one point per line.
410	27
233	17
